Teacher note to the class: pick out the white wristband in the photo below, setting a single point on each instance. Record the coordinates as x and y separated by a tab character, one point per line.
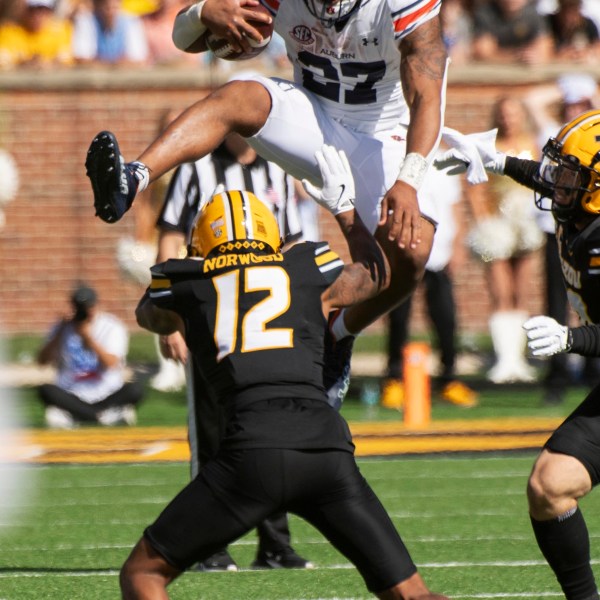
188	26
413	170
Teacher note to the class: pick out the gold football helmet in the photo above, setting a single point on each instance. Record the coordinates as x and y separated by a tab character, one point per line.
234	221
570	166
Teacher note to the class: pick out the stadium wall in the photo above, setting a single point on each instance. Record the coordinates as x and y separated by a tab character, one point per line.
52	239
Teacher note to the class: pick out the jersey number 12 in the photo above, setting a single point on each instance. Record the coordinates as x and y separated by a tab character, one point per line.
253	332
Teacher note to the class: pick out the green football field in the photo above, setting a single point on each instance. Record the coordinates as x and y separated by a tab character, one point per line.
464	519
463	516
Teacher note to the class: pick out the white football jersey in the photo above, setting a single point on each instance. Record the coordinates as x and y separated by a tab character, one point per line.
355	72
194	183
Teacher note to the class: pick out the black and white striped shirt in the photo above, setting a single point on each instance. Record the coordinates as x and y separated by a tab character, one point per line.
194	183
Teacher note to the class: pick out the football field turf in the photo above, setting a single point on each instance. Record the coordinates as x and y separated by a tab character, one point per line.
463	517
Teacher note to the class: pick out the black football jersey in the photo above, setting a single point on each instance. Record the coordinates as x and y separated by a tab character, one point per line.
580	261
254	322
579	250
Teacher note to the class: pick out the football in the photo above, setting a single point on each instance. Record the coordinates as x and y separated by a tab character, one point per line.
221	48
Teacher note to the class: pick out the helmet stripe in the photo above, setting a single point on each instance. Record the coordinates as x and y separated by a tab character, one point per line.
228	214
237	214
247	216
575	123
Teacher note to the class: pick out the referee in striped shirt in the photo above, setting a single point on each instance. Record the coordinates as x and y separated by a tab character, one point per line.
234	165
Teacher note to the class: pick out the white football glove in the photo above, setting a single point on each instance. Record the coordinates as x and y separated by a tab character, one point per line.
457	162
337	194
474	154
545	336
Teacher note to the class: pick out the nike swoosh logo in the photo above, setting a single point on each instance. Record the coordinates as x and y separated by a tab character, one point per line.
343	189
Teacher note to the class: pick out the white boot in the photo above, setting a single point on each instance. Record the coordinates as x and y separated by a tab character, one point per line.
171	374
509	340
523	371
58	418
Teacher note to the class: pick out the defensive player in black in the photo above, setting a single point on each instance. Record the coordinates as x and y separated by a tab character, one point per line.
255	318
569	465
232	165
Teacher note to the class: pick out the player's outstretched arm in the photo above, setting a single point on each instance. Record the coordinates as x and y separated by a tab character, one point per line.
476	154
423	75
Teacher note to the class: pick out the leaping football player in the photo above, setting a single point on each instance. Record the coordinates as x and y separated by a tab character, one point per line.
369	79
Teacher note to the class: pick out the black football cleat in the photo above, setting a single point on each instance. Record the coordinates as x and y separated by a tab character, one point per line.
336	368
286	559
220	561
114	182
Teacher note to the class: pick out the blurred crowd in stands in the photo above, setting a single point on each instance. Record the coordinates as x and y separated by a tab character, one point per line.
49	33
44	34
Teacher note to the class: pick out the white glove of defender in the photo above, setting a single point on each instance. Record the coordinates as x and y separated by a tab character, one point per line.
545	336
337	194
474	154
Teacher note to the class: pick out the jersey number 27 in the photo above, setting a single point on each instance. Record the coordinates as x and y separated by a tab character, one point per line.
366	75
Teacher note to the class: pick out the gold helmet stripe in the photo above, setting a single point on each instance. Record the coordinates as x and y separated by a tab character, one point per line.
237	215
241	213
582	119
229	216
248	217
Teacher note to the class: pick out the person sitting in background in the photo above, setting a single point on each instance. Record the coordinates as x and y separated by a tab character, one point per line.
576	37
108	35
88	349
445	193
510	31
505	237
38	39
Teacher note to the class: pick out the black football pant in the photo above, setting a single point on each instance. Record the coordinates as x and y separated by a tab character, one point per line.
206	427
441	310
238	488
52	395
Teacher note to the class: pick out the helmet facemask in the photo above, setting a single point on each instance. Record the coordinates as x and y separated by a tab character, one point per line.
330	12
575	187
562	174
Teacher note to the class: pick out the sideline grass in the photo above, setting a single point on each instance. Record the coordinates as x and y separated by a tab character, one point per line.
170	408
463	518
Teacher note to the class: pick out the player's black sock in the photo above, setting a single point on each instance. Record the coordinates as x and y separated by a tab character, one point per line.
565	544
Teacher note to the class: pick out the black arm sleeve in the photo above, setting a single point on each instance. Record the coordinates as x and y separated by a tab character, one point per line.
523	172
585	340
